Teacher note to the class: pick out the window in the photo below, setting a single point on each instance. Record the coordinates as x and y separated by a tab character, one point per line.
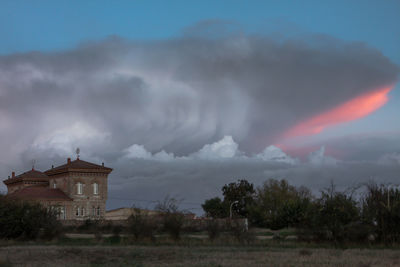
94	211
77	211
83	212
79	188
54	185
95	188
98	211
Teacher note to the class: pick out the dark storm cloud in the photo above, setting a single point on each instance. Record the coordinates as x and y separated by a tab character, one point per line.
179	94
176	95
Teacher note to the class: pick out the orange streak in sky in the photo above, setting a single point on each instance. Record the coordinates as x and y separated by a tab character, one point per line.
353	109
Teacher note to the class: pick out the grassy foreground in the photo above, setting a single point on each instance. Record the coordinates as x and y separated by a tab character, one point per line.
174	255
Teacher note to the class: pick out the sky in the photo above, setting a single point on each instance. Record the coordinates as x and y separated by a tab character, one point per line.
181	97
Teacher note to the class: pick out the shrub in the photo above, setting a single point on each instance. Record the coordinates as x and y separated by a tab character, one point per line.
116	234
381	212
238	230
98	236
333	216
27	221
213	229
141	224
172	217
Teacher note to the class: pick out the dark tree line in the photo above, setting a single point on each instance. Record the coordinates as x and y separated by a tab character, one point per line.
334	215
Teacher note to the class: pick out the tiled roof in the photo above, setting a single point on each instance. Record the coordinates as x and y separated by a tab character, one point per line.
39	193
33	174
78	164
29	175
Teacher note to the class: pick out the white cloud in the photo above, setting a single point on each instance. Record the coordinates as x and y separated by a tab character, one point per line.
224	148
137	152
275	154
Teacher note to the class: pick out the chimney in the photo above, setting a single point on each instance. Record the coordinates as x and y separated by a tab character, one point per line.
69	160
13	174
102	164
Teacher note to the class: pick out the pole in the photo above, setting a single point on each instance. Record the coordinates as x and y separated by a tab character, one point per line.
230	209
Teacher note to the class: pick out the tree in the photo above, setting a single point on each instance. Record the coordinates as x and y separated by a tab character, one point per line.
26	220
333	216
278	204
381	211
215	208
242	193
239	195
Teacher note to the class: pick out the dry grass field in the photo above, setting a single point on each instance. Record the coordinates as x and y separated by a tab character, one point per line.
193	256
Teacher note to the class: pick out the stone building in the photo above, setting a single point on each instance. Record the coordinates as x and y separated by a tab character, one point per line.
77	189
122	214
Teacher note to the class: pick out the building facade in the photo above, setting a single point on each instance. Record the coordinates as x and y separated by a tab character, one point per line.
77	189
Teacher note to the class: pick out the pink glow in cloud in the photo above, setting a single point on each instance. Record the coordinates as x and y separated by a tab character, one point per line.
353	109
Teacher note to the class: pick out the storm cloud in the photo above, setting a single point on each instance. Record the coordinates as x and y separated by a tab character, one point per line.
168	99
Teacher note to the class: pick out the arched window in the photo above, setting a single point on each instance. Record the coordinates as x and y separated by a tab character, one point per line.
79	188
95	188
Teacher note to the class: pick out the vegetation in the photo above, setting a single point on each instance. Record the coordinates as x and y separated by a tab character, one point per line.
27	221
334	216
278	204
141	225
215	208
239	196
172	217
283	212
380	210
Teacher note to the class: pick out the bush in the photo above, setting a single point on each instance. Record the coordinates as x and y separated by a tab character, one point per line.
116	234
213	229
89	226
27	221
172	217
141	224
238	230
333	217
381	212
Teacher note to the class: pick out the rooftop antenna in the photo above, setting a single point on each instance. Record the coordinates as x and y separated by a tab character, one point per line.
33	164
77	151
